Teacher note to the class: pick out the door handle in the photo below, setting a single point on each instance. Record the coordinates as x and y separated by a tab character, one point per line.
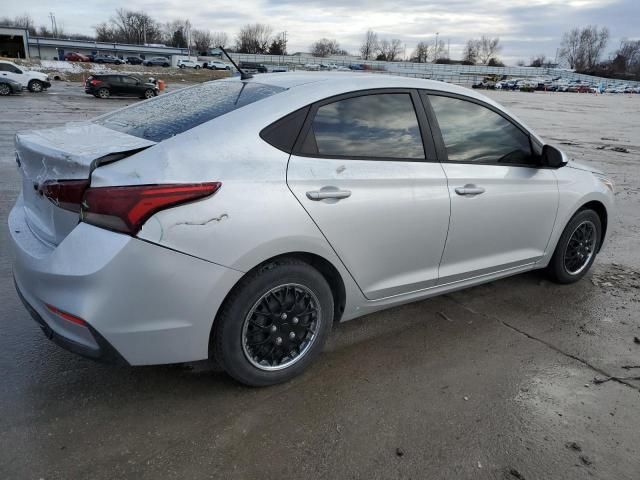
325	194
469	189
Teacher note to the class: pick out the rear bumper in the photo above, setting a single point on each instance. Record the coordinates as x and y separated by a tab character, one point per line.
144	304
103	352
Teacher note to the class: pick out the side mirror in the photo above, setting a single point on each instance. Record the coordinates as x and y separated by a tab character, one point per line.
552	157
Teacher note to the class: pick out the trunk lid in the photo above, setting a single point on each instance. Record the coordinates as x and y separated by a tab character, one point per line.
71	152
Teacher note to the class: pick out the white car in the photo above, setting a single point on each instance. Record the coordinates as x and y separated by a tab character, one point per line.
34	81
312	67
328	197
216	65
189	64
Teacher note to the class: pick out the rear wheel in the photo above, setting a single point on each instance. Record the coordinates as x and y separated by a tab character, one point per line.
103	92
577	248
36	86
274	323
5	89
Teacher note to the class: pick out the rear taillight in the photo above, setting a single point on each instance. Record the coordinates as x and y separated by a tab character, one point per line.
125	209
94	82
67	316
65	194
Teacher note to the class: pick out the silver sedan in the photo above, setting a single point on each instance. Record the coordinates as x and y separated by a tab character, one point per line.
240	219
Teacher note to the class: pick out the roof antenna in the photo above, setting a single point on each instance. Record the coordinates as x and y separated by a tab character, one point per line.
243	75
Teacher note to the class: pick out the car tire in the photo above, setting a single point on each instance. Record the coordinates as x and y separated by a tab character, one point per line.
197	67
148	93
577	248
5	89
36	86
181	66
103	93
265	305
165	64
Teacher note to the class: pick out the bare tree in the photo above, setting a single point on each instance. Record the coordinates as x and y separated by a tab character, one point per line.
488	48
134	27
219	39
201	40
370	45
570	49
628	55
538	61
593	42
254	38
326	47
470	52
429	52
582	48
389	50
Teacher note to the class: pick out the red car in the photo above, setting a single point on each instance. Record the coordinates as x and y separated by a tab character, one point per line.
76	57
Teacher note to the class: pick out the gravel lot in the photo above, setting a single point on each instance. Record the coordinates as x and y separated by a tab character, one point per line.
492	382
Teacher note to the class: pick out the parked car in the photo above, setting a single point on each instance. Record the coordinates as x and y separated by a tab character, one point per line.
34	81
312	67
349	194
8	86
252	67
107	59
189	64
76	57
216	65
157	62
134	60
104	86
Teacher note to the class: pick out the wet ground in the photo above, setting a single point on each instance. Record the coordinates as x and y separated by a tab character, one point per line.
515	379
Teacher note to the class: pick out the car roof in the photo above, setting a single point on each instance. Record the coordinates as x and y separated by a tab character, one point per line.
335	83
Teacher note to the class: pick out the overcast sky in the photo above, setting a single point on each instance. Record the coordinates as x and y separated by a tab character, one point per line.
525	27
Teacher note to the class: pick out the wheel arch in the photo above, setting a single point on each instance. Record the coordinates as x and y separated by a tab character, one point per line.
601	210
324	266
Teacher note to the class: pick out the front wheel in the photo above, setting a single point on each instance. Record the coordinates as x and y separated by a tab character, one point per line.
149	93
577	248
197	67
36	86
274	323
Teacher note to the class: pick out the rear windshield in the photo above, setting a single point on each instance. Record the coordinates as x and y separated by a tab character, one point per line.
174	113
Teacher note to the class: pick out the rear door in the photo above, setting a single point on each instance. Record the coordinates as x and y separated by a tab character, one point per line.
364	168
503	204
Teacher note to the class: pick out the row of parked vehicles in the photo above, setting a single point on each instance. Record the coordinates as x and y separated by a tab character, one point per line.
552	85
149	62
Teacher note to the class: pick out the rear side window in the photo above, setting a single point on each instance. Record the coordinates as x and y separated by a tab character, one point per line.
174	113
474	133
369	126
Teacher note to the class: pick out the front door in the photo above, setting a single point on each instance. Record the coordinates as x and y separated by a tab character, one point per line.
503	205
361	172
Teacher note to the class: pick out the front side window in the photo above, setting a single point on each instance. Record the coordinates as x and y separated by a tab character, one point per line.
370	126
474	133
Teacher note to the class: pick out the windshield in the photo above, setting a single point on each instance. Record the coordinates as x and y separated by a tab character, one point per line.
174	113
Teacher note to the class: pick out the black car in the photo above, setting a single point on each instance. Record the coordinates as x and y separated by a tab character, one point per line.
107	59
251	67
8	86
103	86
157	62
134	60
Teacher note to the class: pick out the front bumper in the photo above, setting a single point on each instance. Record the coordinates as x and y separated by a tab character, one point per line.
145	303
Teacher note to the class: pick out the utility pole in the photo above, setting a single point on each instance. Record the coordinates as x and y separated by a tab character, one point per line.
54	26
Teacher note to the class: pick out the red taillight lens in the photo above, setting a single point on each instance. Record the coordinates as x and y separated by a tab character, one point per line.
125	209
65	194
94	82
